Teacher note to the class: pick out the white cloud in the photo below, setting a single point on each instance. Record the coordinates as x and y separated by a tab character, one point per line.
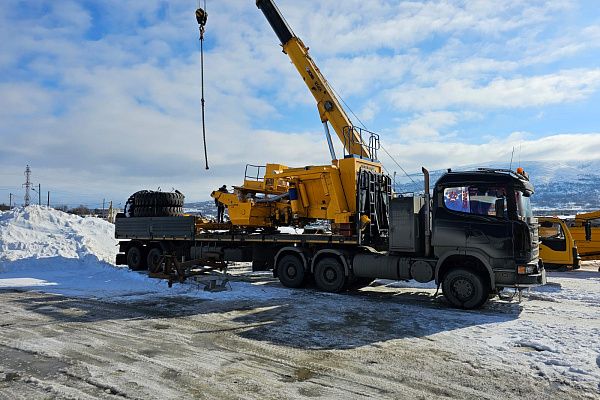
427	125
561	87
121	111
436	154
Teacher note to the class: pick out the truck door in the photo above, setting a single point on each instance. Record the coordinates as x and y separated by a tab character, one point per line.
477	219
555	249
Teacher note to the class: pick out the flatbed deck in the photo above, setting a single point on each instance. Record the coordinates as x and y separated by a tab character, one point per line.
185	228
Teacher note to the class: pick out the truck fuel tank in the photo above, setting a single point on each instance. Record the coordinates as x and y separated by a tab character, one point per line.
383	266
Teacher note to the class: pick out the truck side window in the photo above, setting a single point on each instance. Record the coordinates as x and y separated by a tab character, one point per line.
477	200
551	230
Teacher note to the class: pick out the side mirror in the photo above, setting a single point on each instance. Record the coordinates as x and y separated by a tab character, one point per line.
588	230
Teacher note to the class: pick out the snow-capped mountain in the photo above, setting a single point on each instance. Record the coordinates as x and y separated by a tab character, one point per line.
564	187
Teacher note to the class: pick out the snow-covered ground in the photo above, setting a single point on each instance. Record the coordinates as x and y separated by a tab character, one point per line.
49	250
550	340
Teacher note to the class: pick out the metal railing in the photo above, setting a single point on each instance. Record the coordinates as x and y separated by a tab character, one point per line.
260	172
366	139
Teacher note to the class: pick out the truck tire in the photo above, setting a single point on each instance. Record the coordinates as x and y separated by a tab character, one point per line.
290	271
135	258
465	289
329	275
144	211
153	259
146	198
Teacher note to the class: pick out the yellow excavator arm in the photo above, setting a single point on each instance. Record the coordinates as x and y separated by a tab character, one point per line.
329	106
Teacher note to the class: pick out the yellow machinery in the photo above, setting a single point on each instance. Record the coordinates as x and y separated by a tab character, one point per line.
587	235
352	192
558	247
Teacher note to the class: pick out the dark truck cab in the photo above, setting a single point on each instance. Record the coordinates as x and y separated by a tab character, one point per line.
485	215
478	238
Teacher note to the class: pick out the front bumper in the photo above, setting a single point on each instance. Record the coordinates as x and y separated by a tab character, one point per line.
513	279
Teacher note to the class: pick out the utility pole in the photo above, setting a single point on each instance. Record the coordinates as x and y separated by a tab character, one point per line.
109	216
10	195
27	185
39	194
103	204
48	204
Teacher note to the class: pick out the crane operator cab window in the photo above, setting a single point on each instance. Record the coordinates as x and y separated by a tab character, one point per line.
478	200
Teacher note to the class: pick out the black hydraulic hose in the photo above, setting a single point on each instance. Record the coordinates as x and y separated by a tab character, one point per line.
274	198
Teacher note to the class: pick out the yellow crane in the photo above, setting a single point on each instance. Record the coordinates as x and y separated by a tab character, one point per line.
352	192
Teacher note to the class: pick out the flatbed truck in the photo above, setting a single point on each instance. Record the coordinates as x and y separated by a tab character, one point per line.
474	235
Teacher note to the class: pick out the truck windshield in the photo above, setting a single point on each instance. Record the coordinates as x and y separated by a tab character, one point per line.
523	205
480	200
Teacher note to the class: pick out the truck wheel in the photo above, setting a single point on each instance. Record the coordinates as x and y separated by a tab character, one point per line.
291	271
153	259
135	258
329	275
465	289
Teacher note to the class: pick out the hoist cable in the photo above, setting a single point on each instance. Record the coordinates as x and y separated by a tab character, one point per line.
364	127
201	16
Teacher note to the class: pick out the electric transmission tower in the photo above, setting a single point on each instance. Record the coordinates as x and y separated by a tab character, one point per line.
27	185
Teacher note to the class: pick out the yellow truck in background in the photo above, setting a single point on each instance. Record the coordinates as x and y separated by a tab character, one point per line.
565	243
558	247
585	230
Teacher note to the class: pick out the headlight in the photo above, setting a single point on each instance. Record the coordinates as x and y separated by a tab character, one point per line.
525	269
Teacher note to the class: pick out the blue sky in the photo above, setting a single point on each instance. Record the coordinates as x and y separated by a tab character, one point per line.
102	98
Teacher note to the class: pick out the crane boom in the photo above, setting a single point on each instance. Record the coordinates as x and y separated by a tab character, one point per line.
330	109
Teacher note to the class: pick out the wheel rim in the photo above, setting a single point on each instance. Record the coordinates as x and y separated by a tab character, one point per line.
330	275
463	288
291	271
135	257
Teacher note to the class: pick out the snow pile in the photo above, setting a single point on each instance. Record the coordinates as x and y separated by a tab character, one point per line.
55	252
41	232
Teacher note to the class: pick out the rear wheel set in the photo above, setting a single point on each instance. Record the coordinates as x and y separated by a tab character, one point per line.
136	260
330	275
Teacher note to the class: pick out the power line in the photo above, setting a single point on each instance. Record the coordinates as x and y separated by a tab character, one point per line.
27	185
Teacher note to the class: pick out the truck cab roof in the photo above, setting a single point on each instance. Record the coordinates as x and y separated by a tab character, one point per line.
487	175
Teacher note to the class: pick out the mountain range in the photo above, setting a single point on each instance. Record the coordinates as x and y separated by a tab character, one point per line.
561	187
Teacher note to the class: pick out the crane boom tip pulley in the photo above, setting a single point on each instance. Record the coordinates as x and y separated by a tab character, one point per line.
201	17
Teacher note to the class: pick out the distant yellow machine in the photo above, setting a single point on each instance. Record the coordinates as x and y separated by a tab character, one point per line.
558	247
352	192
586	232
567	243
